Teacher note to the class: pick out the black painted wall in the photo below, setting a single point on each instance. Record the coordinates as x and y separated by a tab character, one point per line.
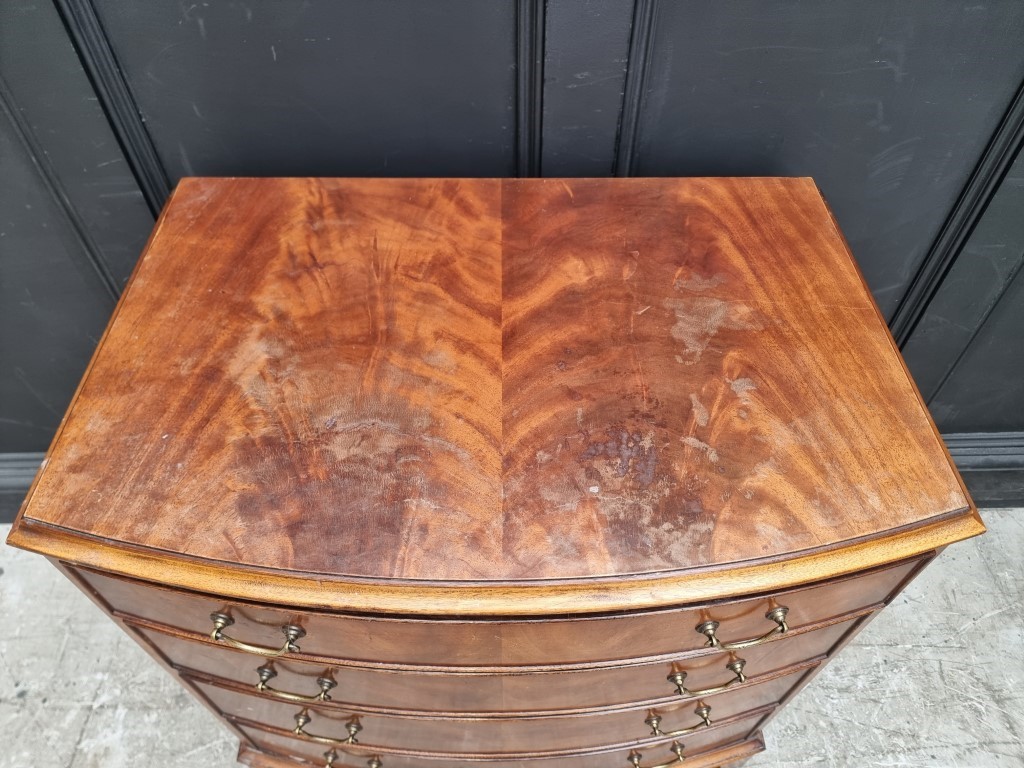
72	223
909	116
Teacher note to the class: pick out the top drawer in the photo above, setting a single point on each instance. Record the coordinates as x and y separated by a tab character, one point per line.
489	643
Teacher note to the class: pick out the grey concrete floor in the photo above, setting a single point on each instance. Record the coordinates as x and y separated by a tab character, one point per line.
934	681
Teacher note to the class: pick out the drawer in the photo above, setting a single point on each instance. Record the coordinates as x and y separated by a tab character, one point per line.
504	734
733	755
460	692
653	751
498	642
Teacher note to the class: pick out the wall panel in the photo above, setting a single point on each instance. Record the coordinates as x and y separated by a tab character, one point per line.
976	283
322	87
887	105
72	224
52	306
585	63
51	94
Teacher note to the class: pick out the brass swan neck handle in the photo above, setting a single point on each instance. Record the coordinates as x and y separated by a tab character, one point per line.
325	682
291	633
710	628
678	679
676	748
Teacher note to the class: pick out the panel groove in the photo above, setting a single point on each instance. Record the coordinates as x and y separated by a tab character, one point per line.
88	250
17	470
639	62
970	207
529	86
998	451
100	64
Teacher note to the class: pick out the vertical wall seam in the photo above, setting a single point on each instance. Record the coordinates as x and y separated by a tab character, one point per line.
115	97
637	66
995	161
88	248
530	49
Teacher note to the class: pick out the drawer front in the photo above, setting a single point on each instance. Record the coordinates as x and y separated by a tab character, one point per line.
653	751
509	734
496	643
733	755
481	693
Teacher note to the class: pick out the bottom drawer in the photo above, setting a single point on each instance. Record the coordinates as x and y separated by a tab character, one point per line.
650	751
504	734
734	754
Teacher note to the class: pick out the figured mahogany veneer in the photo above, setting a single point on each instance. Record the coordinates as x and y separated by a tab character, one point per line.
495	448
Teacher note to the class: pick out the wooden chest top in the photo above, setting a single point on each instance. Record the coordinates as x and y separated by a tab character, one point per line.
466	383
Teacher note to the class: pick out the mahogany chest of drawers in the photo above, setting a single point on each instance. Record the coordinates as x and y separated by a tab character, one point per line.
511	473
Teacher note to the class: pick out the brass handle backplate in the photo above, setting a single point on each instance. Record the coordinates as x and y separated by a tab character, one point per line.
709	628
678	679
676	748
291	634
267	673
653	719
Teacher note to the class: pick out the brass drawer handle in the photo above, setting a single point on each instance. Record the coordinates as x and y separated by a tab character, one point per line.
267	673
352	726
677	749
678	678
703	711
653	719
302	719
332	755
291	634
778	615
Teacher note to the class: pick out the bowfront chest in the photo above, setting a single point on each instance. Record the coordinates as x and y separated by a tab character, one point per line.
432	473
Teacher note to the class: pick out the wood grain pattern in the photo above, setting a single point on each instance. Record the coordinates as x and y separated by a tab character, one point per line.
495	380
757	409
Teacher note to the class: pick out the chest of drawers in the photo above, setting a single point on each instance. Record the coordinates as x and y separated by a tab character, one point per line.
512	473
